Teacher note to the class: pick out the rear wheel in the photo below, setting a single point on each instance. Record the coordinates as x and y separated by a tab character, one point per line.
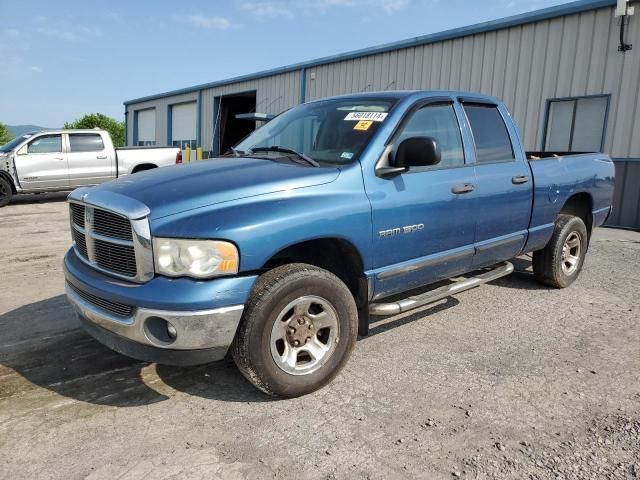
5	192
560	262
297	332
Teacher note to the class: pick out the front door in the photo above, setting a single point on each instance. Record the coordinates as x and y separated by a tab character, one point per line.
424	219
42	164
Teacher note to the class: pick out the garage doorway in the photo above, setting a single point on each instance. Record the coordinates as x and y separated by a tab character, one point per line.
231	129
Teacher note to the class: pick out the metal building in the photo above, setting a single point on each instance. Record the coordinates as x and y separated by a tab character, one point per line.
568	73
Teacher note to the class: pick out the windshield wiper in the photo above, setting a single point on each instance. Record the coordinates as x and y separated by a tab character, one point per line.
236	152
277	148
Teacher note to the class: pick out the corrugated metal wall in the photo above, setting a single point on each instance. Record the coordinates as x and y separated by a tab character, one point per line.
273	95
161	105
525	65
626	203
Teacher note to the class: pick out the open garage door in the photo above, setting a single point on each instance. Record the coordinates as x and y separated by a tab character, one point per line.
232	130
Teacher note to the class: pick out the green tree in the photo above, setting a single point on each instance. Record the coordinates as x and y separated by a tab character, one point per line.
5	134
99	120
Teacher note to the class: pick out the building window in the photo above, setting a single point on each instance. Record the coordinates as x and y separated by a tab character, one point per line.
490	135
576	124
184	144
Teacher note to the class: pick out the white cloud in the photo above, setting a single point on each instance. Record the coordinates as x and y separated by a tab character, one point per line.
291	8
12	32
114	16
36	69
66	35
269	9
213	23
391	6
94	31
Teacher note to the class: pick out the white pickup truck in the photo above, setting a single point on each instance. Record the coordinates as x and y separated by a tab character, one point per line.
59	160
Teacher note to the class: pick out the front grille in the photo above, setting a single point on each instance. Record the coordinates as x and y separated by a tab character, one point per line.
77	214
111	225
117	258
106	241
118	309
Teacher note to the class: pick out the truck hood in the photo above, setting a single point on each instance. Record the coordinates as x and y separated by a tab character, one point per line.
175	189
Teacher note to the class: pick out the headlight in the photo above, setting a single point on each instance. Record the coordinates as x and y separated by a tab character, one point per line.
194	258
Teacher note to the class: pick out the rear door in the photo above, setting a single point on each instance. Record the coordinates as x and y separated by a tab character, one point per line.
90	161
42	164
503	184
423	222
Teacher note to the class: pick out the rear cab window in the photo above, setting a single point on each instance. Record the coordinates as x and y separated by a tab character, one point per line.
490	134
85	142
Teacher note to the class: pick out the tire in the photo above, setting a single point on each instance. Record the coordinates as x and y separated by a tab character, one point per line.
5	192
295	303
560	262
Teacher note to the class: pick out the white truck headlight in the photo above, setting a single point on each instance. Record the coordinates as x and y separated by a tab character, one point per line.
195	258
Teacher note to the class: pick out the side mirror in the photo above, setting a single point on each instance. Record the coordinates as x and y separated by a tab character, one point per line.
417	152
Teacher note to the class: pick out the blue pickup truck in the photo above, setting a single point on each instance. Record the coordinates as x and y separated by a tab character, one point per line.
334	211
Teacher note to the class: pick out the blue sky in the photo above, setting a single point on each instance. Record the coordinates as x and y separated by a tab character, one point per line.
63	59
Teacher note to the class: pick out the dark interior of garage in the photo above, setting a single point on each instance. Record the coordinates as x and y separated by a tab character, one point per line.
232	130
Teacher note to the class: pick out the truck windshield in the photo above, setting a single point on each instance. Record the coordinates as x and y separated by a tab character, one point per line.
333	131
7	147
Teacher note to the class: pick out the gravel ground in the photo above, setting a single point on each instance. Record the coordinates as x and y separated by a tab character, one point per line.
510	380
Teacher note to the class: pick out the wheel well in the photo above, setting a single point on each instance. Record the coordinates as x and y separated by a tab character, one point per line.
580	205
143	166
339	257
8	178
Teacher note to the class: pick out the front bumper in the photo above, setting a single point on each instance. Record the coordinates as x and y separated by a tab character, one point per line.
134	319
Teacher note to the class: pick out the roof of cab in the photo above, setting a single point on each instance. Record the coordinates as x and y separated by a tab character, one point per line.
416	94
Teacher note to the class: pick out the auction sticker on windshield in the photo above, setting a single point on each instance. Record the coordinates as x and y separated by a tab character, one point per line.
372	116
363	125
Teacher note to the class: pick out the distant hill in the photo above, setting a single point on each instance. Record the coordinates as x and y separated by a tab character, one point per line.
20	129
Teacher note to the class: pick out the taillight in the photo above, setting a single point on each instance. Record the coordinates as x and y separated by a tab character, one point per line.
179	157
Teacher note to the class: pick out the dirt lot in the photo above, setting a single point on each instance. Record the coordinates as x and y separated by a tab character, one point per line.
510	380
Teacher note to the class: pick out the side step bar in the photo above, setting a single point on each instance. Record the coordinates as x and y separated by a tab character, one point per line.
410	303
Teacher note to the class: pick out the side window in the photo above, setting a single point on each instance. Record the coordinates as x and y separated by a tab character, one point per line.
490	134
576	124
46	144
439	122
82	142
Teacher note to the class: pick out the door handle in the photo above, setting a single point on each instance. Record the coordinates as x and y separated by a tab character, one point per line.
518	179
101	157
58	158
462	188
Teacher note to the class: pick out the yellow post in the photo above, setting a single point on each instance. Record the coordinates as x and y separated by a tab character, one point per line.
199	153
187	153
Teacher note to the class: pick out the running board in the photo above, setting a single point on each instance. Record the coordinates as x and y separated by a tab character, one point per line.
410	303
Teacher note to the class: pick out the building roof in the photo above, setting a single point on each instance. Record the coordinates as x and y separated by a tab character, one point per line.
521	19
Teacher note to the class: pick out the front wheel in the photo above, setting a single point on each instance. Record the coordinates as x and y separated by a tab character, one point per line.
5	192
297	332
560	262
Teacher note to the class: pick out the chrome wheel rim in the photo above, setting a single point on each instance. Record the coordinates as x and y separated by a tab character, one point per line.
571	253
304	335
